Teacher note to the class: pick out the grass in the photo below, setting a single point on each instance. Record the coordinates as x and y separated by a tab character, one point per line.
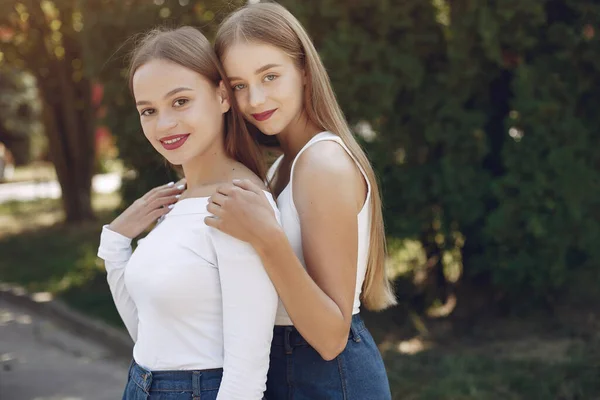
43	255
463	376
538	357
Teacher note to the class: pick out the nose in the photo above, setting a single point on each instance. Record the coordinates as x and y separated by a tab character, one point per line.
166	121
257	95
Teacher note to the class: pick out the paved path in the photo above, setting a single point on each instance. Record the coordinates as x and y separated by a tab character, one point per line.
23	191
41	361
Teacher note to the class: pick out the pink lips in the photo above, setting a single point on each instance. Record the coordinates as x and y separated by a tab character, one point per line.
176	141
264	115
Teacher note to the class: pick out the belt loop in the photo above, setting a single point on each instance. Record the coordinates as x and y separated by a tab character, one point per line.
354	333
196	385
286	340
147	377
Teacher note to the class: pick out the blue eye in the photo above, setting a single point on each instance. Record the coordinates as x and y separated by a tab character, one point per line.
239	86
270	77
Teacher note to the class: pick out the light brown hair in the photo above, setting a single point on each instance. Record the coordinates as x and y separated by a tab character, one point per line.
272	24
189	48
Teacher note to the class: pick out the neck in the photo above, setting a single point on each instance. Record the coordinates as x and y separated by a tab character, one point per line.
210	167
295	136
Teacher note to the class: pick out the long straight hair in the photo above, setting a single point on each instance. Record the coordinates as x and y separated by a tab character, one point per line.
272	24
189	48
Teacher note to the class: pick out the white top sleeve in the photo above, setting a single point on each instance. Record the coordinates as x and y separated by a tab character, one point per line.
249	307
115	250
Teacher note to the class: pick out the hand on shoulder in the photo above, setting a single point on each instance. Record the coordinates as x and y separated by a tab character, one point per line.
241	209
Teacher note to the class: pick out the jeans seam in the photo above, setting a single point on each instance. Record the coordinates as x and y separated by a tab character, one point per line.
141	387
342	375
289	361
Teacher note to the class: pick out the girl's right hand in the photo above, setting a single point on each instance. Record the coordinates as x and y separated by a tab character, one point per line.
147	209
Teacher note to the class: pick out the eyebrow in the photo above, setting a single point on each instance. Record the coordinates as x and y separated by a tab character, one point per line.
258	71
171	93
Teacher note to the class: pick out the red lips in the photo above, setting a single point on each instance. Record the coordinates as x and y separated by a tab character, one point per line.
174	142
264	115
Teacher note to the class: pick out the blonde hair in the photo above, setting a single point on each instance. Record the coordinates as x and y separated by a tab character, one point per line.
189	48
272	24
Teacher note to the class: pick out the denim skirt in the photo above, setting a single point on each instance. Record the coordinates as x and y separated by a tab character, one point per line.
298	372
172	385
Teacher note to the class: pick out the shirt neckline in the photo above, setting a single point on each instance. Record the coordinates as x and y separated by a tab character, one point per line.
197	205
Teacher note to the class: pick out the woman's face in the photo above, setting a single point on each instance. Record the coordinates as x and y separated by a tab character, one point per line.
268	85
181	111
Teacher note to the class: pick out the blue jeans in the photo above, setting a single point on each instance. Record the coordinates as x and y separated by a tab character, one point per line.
172	385
297	371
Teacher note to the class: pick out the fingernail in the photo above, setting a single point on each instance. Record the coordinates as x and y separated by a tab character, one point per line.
171	206
170	183
237	180
178	196
181	187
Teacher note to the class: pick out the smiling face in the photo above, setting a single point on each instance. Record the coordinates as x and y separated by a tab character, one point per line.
268	85
181	111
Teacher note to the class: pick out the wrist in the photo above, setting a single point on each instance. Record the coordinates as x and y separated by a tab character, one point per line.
117	229
270	240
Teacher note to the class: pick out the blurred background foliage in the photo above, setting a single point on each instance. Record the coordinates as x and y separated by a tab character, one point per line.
481	119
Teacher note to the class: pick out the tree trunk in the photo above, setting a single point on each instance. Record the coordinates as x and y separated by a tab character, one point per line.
71	139
68	111
436	286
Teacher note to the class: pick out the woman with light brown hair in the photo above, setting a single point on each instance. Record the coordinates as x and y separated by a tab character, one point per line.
327	257
197	302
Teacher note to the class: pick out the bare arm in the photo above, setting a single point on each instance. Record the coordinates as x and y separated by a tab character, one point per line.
328	192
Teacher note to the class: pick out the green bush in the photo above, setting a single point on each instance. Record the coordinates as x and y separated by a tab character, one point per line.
485	118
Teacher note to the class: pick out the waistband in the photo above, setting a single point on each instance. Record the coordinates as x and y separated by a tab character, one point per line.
194	381
289	337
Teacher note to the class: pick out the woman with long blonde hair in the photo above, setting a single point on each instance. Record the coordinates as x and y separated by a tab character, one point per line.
197	302
327	257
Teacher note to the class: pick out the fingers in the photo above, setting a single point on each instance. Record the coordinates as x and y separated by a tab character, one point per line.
214	209
164	192
156	214
181	182
162	201
213	222
247	184
227	189
171	186
218	199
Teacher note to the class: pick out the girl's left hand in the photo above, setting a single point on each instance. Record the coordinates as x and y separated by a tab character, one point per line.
243	211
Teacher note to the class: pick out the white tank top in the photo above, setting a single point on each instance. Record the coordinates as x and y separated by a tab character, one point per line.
291	223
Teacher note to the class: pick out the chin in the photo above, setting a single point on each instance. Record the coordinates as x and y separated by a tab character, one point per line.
174	160
269	130
177	163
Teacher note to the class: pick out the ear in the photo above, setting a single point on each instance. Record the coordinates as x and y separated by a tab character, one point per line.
223	97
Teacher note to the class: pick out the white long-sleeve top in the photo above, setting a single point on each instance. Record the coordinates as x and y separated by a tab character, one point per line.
194	298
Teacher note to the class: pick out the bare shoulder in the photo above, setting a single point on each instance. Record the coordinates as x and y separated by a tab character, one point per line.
240	171
324	171
328	160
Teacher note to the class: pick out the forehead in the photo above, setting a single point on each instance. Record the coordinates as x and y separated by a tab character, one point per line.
158	77
244	57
